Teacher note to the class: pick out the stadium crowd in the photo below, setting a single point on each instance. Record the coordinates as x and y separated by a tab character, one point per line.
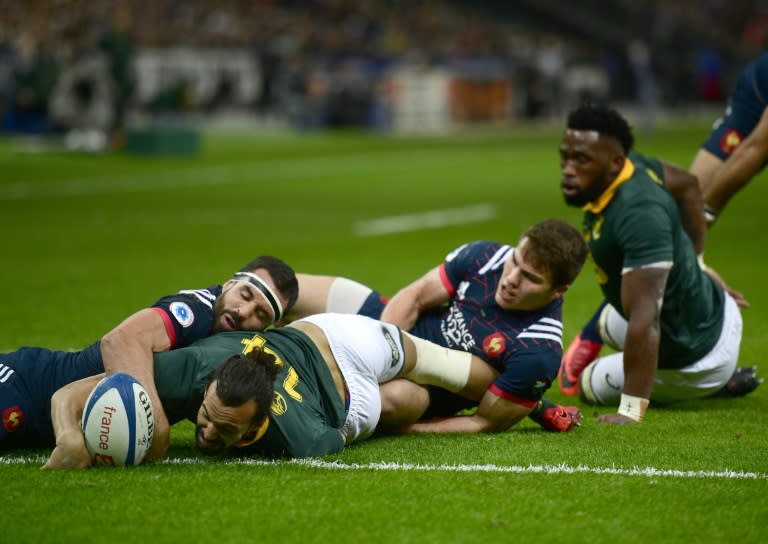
335	51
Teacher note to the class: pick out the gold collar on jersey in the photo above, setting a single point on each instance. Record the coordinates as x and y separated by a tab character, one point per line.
598	205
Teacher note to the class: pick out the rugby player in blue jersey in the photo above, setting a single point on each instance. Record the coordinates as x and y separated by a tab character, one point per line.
677	327
737	148
256	296
501	303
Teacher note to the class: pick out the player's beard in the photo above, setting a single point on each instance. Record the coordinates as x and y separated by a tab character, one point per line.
218	446
590	193
219	311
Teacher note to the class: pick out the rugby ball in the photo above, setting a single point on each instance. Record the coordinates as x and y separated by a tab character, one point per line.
118	421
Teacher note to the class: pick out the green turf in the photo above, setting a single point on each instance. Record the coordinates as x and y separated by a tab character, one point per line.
86	240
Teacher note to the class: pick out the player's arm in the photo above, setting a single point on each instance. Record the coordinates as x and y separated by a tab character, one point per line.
129	348
494	414
405	307
67	406
743	164
684	187
313	296
642	293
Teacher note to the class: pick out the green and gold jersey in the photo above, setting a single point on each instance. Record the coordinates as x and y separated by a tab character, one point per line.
636	222
307	411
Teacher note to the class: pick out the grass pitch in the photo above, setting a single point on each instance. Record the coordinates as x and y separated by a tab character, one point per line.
87	240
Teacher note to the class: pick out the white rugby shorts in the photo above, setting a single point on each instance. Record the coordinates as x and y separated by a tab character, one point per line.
605	376
368	352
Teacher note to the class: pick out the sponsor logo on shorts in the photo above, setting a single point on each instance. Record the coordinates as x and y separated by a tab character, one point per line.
730	140
13	418
494	344
393	347
182	313
615	387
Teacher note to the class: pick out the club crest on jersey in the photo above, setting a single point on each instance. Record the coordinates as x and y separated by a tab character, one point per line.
494	344
279	406
13	417
182	313
730	140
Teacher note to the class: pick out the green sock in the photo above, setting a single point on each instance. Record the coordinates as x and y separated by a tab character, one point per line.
538	412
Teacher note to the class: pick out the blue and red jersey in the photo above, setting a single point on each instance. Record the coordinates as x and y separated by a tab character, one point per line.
524	346
30	375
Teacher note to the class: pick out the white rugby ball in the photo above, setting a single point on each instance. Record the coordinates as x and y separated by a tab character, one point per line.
118	421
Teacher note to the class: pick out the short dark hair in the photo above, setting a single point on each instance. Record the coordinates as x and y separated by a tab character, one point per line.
245	377
606	121
282	274
558	248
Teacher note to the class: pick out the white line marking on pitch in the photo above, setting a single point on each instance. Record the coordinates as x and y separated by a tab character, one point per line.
648	472
426	220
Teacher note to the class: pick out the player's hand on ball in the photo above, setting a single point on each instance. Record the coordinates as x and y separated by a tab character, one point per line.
616	419
70	452
161	440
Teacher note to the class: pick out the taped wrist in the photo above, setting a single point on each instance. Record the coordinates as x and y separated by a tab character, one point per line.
439	366
633	407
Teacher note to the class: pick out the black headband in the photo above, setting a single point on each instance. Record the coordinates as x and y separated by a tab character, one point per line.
264	289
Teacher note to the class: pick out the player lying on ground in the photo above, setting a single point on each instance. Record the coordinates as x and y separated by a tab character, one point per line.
328	368
498	302
256	296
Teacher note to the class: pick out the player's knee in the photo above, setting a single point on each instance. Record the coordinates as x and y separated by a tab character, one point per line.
601	383
402	402
612	327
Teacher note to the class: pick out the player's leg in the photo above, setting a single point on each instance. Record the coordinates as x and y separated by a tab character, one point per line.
456	371
367	352
402	402
603	381
712	373
606	326
324	294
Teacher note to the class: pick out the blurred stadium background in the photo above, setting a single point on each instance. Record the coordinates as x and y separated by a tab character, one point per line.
100	73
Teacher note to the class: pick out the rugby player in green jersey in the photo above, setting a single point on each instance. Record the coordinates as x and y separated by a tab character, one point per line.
678	328
326	395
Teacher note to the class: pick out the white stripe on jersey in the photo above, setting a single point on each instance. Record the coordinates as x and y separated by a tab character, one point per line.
553	322
497	260
554	338
5	373
545	328
203	295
